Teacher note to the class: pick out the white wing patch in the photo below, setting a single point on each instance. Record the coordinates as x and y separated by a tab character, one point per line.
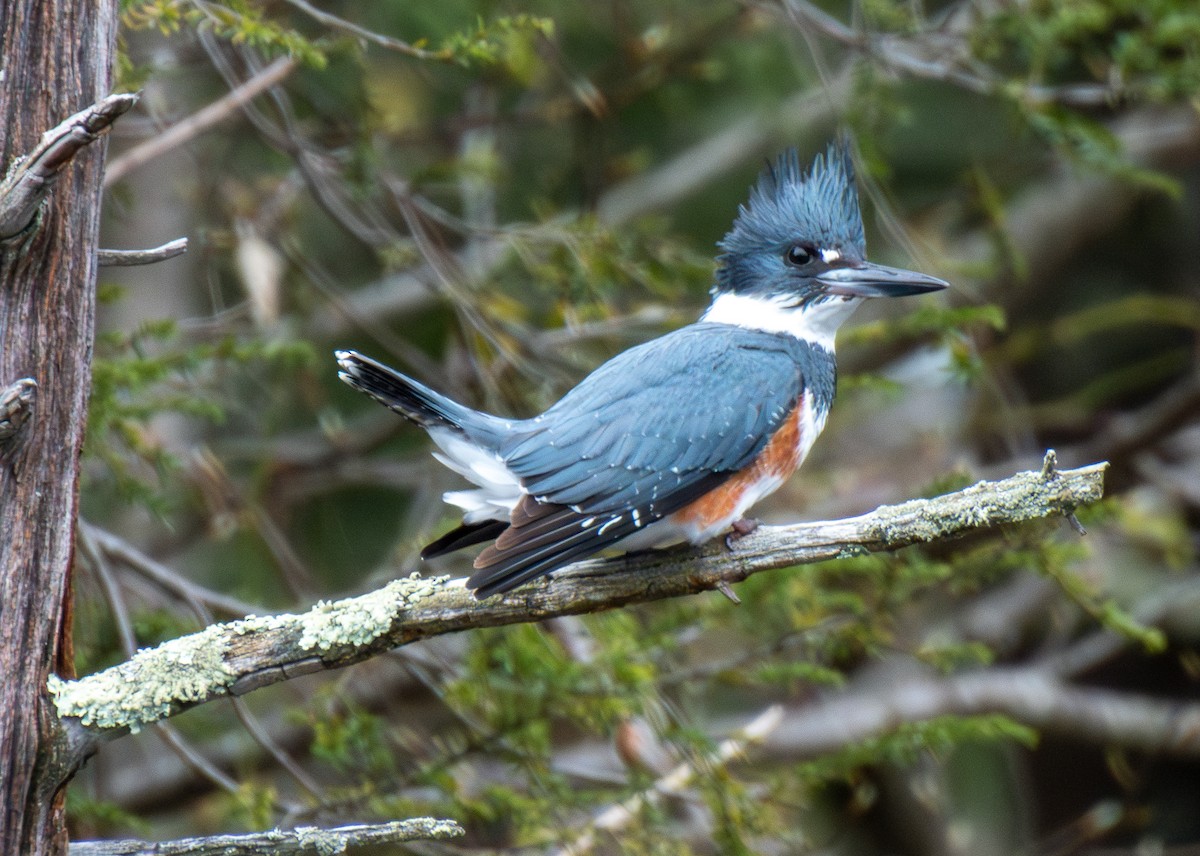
498	489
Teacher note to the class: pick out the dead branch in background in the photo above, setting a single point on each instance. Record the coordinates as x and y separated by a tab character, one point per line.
130	258
199	122
280	842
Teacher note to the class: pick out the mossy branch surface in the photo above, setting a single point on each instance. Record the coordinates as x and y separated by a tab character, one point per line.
235	658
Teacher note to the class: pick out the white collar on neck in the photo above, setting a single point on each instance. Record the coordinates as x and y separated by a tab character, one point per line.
814	322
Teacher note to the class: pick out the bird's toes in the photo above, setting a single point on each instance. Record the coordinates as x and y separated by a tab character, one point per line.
739	529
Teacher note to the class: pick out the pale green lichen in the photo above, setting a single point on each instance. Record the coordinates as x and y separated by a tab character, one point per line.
156	682
150	685
851	551
1022	497
330	842
320	842
358	621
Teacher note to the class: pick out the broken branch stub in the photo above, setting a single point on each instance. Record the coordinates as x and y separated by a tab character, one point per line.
16	406
30	179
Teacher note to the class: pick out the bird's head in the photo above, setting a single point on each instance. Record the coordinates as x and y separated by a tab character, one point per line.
797	251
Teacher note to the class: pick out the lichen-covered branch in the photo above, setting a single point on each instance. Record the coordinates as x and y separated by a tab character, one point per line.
29	180
280	842
235	658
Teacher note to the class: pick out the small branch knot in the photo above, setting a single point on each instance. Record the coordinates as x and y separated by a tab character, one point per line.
16	406
1050	466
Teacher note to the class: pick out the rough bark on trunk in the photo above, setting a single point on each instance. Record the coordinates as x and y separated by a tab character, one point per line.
55	59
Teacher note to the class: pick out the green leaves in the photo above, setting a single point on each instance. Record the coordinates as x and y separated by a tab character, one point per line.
1143	50
508	43
141	376
242	22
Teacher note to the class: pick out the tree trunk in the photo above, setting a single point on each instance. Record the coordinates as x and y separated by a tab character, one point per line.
56	58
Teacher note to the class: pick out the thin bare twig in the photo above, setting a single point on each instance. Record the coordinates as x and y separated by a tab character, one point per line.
159	574
210	475
130	258
262	736
281	842
619	816
936	55
200	121
29	180
392	44
112	592
193	759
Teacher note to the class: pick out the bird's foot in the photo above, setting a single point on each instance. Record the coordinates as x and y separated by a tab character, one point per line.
739	529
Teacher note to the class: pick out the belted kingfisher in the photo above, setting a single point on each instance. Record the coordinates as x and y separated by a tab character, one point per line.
676	438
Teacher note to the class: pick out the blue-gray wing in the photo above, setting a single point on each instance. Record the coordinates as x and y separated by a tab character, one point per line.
704	399
648	432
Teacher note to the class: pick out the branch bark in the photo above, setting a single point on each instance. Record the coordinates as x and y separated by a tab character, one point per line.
130	258
233	659
57	56
280	842
31	178
16	406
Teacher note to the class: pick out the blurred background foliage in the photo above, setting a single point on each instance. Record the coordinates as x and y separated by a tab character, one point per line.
495	197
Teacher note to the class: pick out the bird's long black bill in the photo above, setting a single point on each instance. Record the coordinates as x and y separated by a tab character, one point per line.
872	280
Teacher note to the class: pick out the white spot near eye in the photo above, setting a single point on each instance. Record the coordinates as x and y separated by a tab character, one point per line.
830	256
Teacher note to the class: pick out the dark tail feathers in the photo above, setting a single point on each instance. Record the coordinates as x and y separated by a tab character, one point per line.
416	401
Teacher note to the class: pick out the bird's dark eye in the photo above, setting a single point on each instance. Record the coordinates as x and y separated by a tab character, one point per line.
799	255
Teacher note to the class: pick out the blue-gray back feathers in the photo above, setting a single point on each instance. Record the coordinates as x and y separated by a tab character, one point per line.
654	419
